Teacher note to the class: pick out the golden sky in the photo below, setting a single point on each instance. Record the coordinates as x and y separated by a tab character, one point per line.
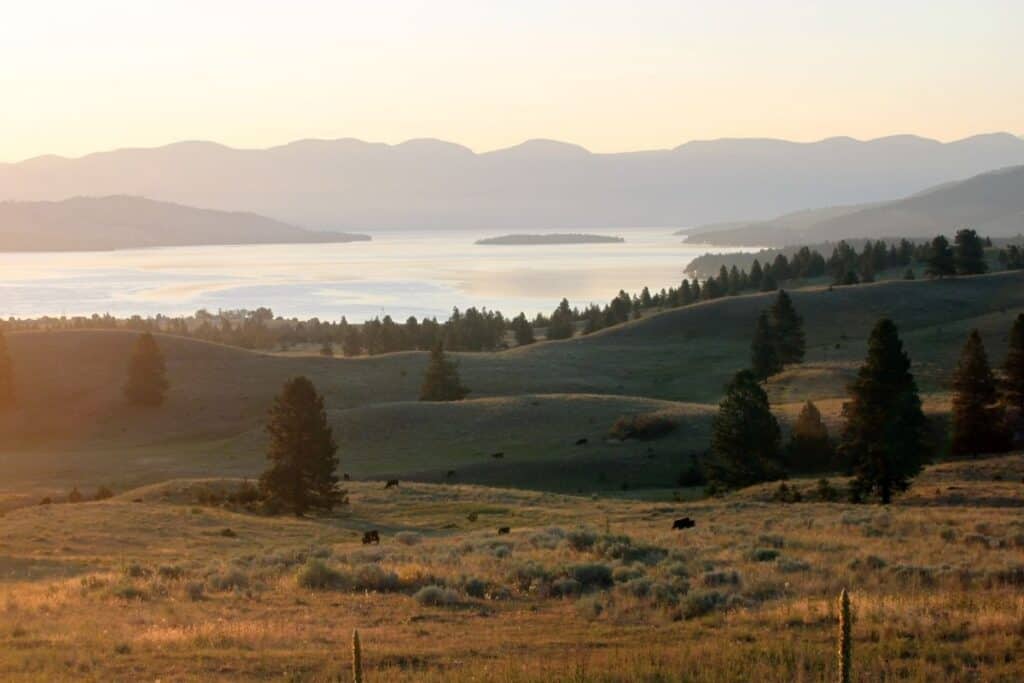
78	77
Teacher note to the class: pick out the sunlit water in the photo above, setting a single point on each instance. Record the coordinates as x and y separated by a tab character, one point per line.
399	274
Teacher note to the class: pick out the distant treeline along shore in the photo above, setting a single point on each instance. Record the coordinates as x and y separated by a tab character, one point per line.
484	330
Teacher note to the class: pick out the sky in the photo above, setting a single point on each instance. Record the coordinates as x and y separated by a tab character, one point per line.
78	77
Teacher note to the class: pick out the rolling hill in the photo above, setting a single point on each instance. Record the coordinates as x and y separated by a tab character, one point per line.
350	184
123	222
992	203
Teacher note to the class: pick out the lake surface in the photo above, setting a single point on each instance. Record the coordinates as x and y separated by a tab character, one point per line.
399	274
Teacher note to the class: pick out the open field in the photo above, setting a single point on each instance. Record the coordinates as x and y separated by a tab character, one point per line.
150	584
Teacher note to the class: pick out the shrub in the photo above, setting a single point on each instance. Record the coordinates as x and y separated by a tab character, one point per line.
581	539
565	588
622	548
679	570
720	578
624	574
787	566
246	494
475	588
126	590
645	427
590	608
787	494
228	580
826	492
75	496
872	562
772	541
1009	576
318	575
170	572
102	493
698	604
592	575
547	539
408	537
764	554
526	575
371	577
135	570
435	596
194	591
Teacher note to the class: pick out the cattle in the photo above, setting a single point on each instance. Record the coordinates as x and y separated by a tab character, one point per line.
450	474
581	442
372	536
684	523
472	516
346	477
391	483
499	454
502	530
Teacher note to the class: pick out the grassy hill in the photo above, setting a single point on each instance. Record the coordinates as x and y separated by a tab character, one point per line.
532	402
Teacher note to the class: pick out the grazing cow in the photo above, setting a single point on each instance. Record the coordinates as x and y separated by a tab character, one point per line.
451	474
391	483
346	477
499	454
581	442
684	523
372	536
502	530
472	516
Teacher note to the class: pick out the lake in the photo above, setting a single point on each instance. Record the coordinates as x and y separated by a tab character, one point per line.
398	273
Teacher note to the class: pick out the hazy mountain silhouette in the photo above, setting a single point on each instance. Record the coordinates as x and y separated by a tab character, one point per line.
121	222
992	203
349	184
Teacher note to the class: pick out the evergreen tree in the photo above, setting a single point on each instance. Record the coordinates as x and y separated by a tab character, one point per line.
561	326
809	449
6	376
940	261
764	354
977	417
745	437
789	330
523	330
969	253
756	275
768	283
302	452
147	375
352	342
327	348
441	382
1013	368
883	439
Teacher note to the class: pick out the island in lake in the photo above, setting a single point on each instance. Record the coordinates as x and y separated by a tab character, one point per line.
552	238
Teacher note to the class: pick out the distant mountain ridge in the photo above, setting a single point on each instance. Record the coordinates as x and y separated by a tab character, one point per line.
123	222
992	203
540	184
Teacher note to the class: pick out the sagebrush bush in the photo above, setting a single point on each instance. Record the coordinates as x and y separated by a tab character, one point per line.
698	604
126	590
193	591
170	572
590	607
623	574
227	580
475	588
318	575
764	554
372	577
592	574
721	578
645	427
435	596
566	588
408	537
527	575
791	566
581	539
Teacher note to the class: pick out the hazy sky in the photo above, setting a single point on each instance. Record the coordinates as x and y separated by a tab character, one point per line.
78	76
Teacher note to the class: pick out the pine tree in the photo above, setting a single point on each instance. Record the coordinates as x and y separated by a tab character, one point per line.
302	452
6	376
756	275
745	437
1013	368
441	382
523	330
560	326
809	449
884	435
147	375
352	342
969	253
764	355
977	417
789	330
940	260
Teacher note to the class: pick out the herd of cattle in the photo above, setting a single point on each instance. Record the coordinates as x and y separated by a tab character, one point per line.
373	535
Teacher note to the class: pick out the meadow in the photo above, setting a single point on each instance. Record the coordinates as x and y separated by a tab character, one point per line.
175	579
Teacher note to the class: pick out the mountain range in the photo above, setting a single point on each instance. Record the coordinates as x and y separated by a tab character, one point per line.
348	184
992	203
121	222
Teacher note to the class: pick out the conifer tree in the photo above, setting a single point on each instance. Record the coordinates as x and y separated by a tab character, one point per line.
6	376
940	260
809	449
523	330
969	253
1013	368
789	330
147	374
764	354
441	382
977	417
745	437
883	439
352	342
561	326
756	275
302	452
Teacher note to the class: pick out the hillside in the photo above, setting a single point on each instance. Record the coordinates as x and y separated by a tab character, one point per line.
531	403
540	184
122	222
991	203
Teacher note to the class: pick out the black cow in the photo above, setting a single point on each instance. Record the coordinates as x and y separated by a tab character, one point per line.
502	530
391	483
581	442
684	523
346	477
499	454
451	474
372	536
